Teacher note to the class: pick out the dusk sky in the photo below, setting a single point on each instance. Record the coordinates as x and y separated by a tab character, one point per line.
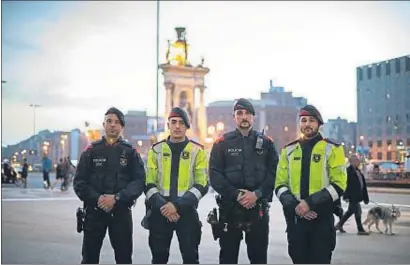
76	59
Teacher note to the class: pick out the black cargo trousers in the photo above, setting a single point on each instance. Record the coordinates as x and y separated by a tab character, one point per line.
120	229
256	233
311	242
188	229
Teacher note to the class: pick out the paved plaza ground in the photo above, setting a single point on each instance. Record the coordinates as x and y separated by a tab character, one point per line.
39	226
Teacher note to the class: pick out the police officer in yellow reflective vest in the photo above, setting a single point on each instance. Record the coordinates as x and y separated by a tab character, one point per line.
311	177
176	181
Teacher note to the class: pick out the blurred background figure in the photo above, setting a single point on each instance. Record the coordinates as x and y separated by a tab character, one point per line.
47	164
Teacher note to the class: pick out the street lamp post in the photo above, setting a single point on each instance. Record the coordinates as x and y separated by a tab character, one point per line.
157	73
34	106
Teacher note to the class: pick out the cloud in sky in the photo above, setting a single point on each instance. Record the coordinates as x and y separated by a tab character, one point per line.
78	58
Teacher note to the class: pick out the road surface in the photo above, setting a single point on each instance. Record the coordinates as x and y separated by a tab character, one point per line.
39	226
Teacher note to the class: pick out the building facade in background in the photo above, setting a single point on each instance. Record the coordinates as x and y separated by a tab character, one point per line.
342	131
383	109
276	113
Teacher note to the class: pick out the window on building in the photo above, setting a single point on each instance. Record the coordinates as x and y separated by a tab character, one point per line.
397	61
408	64
378	70
369	72
388	68
360	74
379	155
408	117
370	143
397	117
389	156
379	143
389	142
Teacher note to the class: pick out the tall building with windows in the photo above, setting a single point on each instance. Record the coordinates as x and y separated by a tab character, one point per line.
383	108
276	114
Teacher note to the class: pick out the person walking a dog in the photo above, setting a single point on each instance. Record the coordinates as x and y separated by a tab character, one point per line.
311	177
356	191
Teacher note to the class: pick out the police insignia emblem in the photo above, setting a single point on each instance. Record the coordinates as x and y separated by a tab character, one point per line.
185	155
316	158
123	161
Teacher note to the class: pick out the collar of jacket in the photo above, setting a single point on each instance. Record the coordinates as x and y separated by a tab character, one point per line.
252	133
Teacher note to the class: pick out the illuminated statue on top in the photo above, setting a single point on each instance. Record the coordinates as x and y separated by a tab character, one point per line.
177	53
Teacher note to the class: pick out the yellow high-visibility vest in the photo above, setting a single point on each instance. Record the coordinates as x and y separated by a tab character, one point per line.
192	169
327	165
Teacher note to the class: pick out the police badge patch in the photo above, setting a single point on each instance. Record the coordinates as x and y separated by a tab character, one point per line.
185	155
316	157
123	161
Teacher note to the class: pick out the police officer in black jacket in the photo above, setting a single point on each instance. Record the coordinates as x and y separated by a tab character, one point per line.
242	171
110	176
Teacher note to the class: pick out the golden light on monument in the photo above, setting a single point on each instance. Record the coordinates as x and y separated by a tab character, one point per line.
177	52
185	85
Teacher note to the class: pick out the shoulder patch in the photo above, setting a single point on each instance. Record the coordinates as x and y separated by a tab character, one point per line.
331	142
196	143
291	143
219	139
157	143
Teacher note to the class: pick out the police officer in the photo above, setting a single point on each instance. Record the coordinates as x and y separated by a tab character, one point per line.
242	171
176	181
109	178
310	179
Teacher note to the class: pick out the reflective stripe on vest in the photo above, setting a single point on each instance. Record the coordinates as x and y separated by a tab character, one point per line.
186	172
319	171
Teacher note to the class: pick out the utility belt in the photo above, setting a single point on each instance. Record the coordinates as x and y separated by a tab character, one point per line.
233	215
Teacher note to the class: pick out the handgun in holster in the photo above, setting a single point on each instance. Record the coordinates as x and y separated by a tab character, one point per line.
80	218
213	221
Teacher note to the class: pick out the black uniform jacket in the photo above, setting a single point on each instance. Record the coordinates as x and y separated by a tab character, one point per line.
235	163
109	169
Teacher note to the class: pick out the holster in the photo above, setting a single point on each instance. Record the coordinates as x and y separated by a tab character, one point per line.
146	219
80	219
214	222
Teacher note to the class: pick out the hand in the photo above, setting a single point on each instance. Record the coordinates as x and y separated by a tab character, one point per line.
311	215
168	209
106	202
248	199
302	208
173	218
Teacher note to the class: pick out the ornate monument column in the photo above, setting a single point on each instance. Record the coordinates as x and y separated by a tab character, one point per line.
181	79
